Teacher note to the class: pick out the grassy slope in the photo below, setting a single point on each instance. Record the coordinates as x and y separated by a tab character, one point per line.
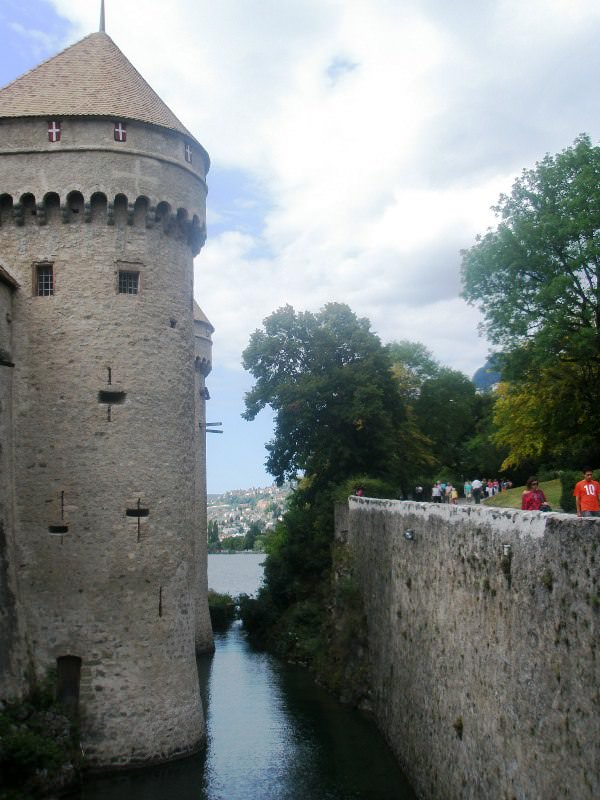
512	497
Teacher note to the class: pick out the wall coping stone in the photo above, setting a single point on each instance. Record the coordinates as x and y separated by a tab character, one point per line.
529	523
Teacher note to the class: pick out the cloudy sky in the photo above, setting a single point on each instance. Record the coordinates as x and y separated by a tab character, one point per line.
356	146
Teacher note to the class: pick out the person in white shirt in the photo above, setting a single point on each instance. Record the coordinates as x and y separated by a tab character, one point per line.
476	490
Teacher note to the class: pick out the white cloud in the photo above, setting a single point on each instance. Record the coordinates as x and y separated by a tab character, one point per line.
356	147
44	42
378	133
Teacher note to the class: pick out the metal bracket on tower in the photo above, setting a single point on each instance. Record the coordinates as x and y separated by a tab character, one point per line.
209	427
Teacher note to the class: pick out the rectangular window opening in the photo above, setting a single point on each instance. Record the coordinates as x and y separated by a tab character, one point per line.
129	282
58	529
137	512
44	280
68	679
112	398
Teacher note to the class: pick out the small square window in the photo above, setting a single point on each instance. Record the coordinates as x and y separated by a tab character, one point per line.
44	280
129	282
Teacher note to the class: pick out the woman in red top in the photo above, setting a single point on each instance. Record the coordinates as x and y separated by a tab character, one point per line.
534	499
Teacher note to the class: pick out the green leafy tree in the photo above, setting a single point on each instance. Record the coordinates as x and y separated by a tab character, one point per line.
446	411
452	423
480	454
253	532
234	544
535	277
328	378
338	414
213	533
413	364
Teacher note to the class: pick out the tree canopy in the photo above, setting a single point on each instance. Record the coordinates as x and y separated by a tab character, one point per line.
535	278
328	378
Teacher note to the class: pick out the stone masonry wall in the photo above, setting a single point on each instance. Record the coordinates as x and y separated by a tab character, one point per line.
483	632
203	360
14	666
104	425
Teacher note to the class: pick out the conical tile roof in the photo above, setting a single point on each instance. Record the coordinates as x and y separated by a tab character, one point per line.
200	316
90	78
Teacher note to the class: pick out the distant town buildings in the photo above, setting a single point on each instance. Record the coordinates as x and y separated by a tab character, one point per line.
235	511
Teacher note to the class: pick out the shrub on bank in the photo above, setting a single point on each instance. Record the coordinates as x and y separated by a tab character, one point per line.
39	746
371	487
222	610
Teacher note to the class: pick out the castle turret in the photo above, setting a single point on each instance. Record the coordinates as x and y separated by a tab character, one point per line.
203	331
102	209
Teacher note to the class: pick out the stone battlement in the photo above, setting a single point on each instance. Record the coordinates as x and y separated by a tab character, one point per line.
120	210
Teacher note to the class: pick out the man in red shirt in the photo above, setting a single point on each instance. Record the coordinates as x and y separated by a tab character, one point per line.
586	494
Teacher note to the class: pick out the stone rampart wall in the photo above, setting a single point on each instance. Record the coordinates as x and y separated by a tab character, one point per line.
483	632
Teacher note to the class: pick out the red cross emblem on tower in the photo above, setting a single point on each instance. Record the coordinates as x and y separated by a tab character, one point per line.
188	153
54	131
120	132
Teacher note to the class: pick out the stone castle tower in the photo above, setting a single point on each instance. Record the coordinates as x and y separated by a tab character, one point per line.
103	358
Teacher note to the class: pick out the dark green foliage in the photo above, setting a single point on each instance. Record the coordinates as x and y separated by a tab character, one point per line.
213	536
342	663
536	279
233	544
328	379
23	752
222	610
479	454
289	610
371	487
258	615
452	428
338	413
39	748
254	531
568	479
446	410
413	364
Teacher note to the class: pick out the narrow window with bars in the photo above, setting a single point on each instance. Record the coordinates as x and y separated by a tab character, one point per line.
44	280
129	282
188	153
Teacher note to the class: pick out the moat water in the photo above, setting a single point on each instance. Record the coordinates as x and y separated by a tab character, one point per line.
272	734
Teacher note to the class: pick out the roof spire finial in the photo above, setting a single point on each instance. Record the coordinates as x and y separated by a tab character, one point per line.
102	18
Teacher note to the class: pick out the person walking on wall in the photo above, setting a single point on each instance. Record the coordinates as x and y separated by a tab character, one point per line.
534	499
467	490
586	494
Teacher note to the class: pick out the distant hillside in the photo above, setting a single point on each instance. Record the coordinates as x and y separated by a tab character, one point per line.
487	376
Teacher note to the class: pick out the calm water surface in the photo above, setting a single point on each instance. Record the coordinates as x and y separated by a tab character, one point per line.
272	734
